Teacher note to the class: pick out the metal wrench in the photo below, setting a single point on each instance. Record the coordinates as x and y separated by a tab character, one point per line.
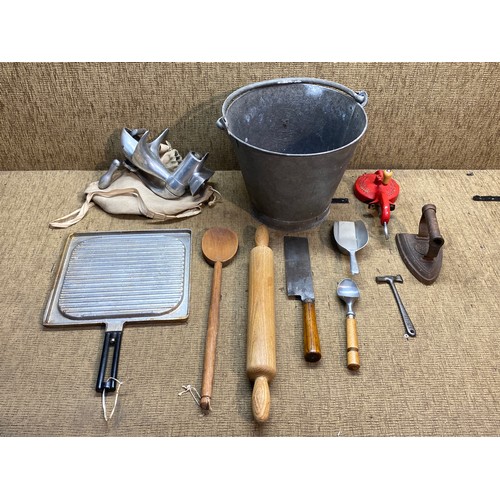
390	280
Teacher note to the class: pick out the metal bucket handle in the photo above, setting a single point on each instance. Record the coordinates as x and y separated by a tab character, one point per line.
361	97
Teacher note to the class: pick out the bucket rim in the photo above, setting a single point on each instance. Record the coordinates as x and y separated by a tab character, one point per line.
360	98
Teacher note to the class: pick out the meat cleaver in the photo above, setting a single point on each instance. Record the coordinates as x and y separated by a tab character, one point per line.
299	284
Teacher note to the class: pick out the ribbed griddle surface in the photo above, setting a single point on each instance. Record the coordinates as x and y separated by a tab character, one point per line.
131	275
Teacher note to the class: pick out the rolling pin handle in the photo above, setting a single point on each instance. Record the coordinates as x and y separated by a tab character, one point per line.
262	236
261	399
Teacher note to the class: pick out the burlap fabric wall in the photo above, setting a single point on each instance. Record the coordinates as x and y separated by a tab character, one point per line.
68	116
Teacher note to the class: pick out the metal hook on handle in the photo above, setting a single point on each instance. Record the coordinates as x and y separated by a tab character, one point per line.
192	390
221	123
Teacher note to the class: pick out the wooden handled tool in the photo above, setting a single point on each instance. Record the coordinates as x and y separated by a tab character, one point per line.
261	343
299	284
348	291
312	347
352	343
219	246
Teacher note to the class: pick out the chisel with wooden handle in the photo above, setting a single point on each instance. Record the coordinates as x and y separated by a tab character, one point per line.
261	341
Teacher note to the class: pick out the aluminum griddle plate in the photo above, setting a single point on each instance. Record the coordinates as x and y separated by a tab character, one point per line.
120	277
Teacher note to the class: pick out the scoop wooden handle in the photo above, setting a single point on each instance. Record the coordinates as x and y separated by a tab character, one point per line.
261	342
211	339
312	348
352	344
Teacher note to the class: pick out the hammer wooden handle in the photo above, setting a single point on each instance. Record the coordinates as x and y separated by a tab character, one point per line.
312	348
352	344
261	342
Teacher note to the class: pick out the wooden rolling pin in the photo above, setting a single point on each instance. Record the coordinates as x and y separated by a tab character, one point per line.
261	342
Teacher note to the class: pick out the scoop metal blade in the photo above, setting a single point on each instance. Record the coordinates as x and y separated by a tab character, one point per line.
350	238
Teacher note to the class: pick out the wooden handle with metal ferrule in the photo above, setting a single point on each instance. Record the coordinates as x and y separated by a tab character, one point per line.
352	344
261	342
312	348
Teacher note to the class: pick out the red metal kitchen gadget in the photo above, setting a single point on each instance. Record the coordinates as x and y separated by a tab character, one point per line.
378	190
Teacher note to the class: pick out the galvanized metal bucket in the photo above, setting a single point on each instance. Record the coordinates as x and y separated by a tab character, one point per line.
293	138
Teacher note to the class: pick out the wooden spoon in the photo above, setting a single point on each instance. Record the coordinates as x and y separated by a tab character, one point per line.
219	246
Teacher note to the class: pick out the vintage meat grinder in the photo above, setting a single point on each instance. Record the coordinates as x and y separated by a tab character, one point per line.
143	159
380	190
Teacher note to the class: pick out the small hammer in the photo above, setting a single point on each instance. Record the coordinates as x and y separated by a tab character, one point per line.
390	280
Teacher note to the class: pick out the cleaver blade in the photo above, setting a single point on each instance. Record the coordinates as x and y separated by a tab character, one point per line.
298	269
299	284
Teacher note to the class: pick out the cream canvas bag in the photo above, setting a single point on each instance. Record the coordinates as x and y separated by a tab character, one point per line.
127	195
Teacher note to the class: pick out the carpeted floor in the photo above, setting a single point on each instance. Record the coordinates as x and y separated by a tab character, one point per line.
445	382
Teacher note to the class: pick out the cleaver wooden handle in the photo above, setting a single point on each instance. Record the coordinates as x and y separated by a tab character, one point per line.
312	348
261	343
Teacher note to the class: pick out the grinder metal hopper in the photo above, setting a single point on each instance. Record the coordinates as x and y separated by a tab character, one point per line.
113	278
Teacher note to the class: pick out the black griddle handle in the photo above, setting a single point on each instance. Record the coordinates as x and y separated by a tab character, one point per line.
111	340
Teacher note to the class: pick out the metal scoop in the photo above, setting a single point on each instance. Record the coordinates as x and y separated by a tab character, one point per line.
348	291
350	237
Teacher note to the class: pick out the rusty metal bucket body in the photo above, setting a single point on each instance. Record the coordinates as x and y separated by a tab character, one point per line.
293	139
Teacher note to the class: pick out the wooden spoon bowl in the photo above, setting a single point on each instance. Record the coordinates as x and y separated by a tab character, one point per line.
219	244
